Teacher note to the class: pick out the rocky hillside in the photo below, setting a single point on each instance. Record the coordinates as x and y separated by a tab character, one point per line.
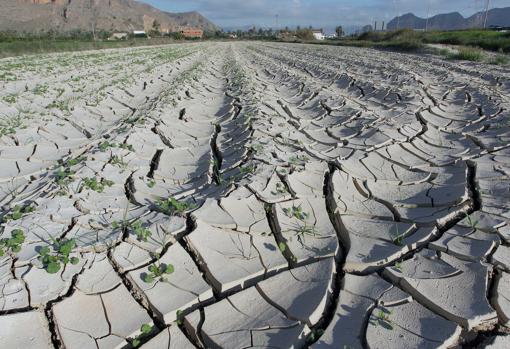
451	21
88	15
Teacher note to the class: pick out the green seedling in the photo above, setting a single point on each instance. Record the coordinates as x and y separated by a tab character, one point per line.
282	246
396	237
145	330
314	335
257	148
12	244
179	315
74	161
40	89
142	234
64	176
57	254
280	189
17	212
151	183
296	212
107	145
118	161
157	272
383	318
250	169
398	266
473	224
173	207
93	184
303	231
11	99
298	160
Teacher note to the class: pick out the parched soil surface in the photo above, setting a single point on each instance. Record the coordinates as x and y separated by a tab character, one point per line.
253	195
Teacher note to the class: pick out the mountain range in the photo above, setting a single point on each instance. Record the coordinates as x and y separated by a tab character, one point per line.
93	15
452	21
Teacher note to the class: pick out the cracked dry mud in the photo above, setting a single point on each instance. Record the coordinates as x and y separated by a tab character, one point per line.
319	197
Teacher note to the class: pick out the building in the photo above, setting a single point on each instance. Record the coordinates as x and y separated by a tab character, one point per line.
139	33
118	36
192	33
318	34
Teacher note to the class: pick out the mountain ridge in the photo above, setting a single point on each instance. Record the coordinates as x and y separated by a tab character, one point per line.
93	15
452	20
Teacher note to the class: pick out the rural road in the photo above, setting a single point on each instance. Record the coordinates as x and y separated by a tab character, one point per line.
253	195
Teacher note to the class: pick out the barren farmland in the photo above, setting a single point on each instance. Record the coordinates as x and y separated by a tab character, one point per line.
253	195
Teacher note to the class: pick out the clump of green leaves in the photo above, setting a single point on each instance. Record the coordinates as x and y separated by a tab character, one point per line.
142	233
173	207
298	160
472	223
64	176
151	183
157	272
118	161
179	315
11	99
250	169
106	145
296	212
280	189
40	89
57	254
12	244
17	212
314	335
145	330
74	161
98	186
383	318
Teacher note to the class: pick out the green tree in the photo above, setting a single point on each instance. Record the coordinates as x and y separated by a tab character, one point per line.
339	31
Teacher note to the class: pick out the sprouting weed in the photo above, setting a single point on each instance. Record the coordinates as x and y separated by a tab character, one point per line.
179	315
282	246
298	160
257	148
142	234
98	186
52	257
303	231
280	189
396	237
173	207
250	169
314	335
17	212
157	272
64	176
118	161
103	146
151	183
40	89
74	161
383	318
11	99
398	266
12	244
145	331
473	224
296	212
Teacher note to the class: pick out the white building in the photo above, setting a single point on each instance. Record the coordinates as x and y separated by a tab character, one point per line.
318	34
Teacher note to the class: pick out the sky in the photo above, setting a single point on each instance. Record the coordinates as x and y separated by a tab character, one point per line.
318	13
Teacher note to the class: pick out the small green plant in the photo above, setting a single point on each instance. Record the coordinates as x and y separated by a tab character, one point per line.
173	207
145	332
93	184
179	315
40	89
296	212
282	246
57	254
303	231
103	146
314	335
64	176
118	161
500	59
17	212
11	99
472	223
396	237
157	272
298	160
466	54
74	161
383	318
151	183
142	234
398	266
250	169
12	244
280	189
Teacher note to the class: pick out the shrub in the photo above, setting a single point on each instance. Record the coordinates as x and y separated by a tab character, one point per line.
466	54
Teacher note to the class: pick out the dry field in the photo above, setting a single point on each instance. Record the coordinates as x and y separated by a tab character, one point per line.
253	195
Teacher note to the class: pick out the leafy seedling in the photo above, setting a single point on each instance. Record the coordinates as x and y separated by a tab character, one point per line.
93	184
472	223
383	319
173	207
12	244
57	254
296	212
157	272
118	161
282	246
17	212
396	237
303	231
179	315
142	234
280	189
250	169
145	330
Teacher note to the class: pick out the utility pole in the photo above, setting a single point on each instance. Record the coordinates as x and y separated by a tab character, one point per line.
486	14
277	21
428	15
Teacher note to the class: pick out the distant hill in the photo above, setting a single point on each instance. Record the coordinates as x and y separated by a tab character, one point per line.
452	21
88	15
